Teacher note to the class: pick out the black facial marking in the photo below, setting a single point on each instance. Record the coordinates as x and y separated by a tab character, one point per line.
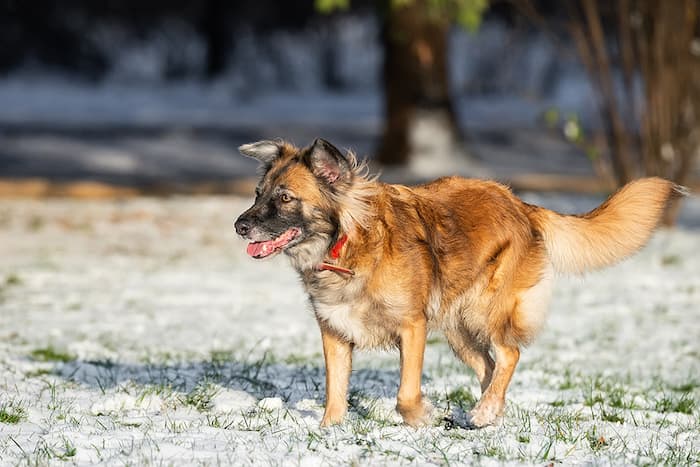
277	209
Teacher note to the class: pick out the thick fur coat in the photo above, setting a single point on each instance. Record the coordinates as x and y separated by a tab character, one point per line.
460	256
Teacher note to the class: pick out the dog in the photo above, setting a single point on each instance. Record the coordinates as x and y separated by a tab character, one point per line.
385	264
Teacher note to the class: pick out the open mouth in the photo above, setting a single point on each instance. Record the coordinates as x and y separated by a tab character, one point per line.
264	249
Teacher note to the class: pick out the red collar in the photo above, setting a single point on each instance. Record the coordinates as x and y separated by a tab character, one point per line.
335	254
335	251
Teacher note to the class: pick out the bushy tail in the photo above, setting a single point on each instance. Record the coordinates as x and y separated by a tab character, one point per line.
611	232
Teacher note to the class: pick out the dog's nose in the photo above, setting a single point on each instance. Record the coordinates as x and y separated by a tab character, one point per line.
242	227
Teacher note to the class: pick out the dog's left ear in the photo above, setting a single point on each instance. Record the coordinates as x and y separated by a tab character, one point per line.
264	151
327	162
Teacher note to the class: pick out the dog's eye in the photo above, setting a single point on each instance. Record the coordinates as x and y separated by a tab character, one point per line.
285	198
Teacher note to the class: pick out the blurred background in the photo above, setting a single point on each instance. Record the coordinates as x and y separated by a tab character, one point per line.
153	97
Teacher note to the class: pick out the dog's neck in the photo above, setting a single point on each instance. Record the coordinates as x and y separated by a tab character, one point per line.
309	256
334	253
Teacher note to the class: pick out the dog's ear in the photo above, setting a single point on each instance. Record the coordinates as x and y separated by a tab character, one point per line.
327	162
264	151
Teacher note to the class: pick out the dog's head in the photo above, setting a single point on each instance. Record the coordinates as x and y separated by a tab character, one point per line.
305	199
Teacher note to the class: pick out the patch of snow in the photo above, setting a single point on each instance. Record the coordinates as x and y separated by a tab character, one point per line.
229	400
121	402
271	403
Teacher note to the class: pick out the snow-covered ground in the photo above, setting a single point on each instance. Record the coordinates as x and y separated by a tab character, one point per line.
138	332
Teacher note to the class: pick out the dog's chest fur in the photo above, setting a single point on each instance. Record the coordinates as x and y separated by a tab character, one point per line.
343	305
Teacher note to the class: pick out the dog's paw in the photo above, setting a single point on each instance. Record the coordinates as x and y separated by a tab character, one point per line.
484	415
333	417
330	421
417	415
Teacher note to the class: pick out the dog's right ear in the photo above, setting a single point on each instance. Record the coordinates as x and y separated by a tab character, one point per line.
264	151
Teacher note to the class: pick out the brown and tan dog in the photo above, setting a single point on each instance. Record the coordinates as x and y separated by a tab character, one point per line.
385	264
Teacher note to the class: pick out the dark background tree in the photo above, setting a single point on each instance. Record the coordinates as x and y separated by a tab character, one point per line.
213	27
654	45
415	78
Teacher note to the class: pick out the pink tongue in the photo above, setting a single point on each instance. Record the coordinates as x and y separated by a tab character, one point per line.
260	249
263	249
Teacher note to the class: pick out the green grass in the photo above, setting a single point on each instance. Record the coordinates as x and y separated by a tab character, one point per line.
612	416
35	223
592	399
656	453
549	432
620	398
221	356
12	413
560	425
50	354
12	279
224	422
462	398
596	441
38	373
67	451
670	260
568	381
299	360
686	387
525	428
670	403
368	410
201	396
434	340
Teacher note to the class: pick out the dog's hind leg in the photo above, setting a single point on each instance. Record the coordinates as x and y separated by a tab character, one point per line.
473	354
490	406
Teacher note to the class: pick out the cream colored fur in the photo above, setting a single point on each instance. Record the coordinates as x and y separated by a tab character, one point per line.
609	233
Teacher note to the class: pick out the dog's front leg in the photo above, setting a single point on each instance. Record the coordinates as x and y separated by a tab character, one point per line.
338	355
410	404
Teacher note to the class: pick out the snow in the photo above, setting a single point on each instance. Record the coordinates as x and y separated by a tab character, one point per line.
118	403
271	403
228	400
138	332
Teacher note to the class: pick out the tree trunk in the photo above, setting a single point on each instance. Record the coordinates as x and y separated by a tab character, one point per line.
671	122
214	30
420	123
